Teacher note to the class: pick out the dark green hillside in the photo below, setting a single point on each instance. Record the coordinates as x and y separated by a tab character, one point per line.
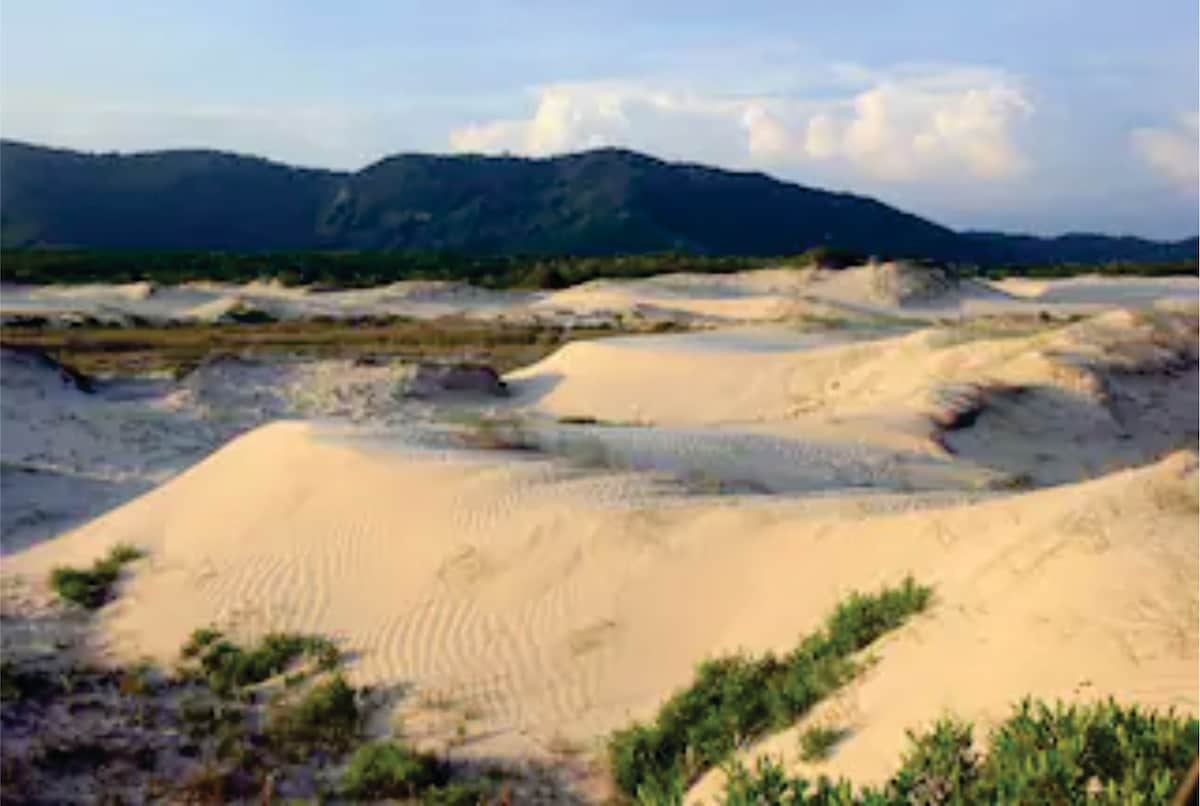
597	203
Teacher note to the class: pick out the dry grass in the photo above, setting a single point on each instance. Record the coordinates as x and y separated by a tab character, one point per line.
96	349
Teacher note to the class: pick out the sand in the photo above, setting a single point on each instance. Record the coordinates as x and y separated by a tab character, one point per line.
766	295
736	483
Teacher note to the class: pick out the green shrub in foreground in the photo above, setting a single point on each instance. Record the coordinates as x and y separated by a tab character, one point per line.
738	698
384	770
1095	753
327	716
91	588
391	770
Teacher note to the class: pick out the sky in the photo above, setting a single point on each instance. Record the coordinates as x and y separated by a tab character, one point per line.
1041	116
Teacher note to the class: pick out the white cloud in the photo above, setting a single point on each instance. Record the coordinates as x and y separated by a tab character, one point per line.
915	123
1173	152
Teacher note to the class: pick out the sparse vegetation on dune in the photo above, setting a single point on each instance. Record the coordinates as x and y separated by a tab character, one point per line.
205	734
737	698
227	666
96	349
92	587
1095	753
324	717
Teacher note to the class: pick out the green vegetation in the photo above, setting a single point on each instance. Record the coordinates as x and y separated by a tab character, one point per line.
227	667
817	742
220	742
1106	268
326	716
391	770
91	588
200	638
1095	753
344	269
362	269
738	698
601	202
95	348
385	770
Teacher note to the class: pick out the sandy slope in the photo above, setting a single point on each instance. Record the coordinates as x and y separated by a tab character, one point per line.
546	604
68	454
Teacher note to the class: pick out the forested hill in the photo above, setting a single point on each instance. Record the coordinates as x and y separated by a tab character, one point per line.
600	202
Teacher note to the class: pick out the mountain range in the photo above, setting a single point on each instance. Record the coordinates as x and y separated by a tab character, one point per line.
599	202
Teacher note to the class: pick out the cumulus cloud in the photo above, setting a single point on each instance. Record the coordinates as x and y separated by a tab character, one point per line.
1173	151
908	125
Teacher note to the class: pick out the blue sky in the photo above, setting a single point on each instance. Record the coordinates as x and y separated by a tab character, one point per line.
1042	116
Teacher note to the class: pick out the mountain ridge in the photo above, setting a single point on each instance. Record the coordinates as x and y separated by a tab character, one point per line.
599	202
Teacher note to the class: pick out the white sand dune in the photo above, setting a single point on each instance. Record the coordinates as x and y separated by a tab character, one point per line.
551	597
551	603
887	289
1055	406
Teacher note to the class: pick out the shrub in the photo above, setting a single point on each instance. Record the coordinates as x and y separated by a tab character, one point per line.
391	770
228	666
200	638
1054	753
770	784
817	742
1100	752
738	698
326	716
91	588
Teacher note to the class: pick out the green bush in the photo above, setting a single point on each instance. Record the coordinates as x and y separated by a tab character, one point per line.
384	770
1095	753
201	637
770	784
326	716
738	698
228	666
91	588
391	770
817	742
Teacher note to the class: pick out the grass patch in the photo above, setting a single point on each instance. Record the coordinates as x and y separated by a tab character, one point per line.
227	666
91	588
817	742
738	698
1095	753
